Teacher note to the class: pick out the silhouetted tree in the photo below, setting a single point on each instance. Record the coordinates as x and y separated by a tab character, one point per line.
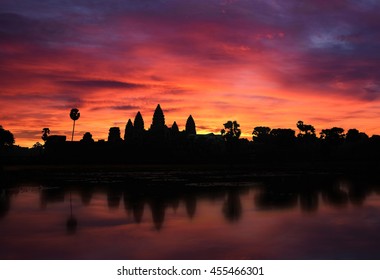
74	115
231	131
354	136
375	138
190	126
6	137
333	135
114	135
87	138
129	131
307	131
283	136
45	133
37	146
260	134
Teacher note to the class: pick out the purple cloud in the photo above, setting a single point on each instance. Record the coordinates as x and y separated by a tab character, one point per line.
103	84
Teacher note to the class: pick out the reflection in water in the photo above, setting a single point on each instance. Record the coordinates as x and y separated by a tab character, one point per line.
113	197
270	194
171	201
275	199
309	200
232	206
134	202
157	207
191	205
86	195
335	196
4	202
71	223
356	192
51	195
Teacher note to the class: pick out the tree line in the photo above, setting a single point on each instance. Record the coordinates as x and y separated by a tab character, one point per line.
160	143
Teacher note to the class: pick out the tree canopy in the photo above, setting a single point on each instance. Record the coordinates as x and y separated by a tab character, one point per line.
6	137
231	131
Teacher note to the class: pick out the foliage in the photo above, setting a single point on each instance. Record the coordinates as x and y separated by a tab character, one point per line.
87	138
333	135
354	136
37	145
74	114
305	129
260	134
231	131
283	136
6	137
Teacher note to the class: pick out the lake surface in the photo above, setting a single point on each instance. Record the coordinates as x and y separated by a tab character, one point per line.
189	215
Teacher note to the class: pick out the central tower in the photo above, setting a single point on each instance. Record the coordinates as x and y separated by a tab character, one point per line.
158	122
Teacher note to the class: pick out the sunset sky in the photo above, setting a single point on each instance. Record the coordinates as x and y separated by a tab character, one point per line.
260	62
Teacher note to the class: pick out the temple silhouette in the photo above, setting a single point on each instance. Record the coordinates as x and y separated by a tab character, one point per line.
157	144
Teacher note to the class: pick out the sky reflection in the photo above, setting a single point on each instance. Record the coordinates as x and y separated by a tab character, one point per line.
257	222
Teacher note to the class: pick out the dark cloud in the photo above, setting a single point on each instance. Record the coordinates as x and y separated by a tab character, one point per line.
24	30
52	100
118	108
125	107
103	84
63	53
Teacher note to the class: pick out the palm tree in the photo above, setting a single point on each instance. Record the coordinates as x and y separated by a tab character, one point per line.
74	115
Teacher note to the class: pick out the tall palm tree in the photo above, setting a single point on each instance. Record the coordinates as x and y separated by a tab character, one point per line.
74	115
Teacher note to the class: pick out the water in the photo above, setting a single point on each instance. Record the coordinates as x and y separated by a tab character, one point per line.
201	215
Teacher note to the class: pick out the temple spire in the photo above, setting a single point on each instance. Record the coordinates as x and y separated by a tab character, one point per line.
158	118
190	126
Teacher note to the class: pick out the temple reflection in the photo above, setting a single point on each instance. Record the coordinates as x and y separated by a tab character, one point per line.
139	197
232	208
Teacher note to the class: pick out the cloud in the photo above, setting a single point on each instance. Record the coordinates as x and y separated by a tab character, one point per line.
118	108
103	84
255	61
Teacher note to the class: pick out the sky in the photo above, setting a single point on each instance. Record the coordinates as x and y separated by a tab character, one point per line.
259	62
